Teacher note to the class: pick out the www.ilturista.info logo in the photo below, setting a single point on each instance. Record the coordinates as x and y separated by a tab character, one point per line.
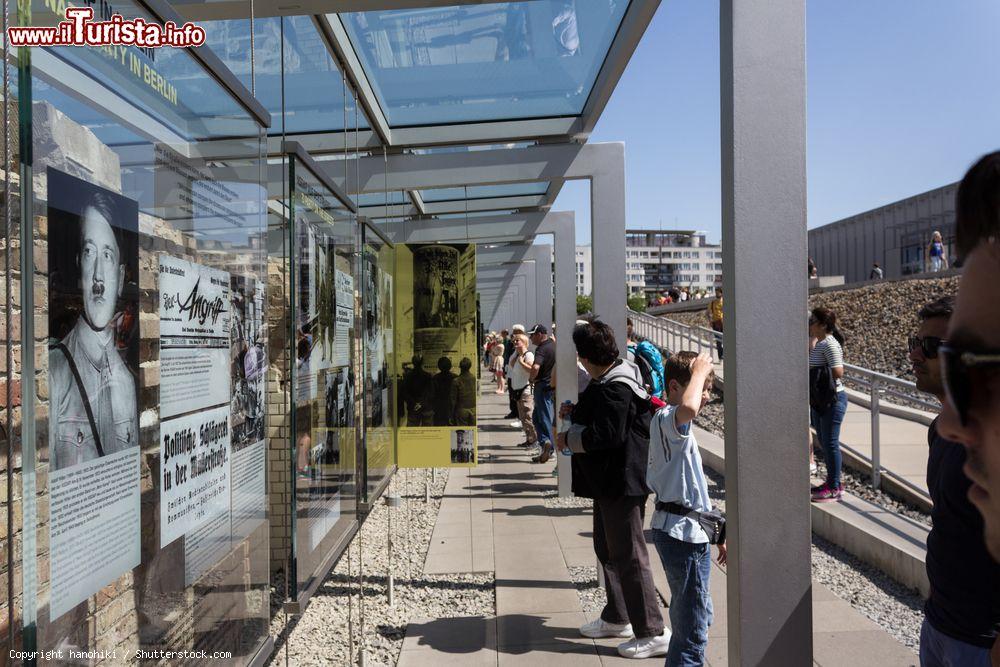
79	29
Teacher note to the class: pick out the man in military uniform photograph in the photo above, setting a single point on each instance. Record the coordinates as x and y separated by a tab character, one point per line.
93	399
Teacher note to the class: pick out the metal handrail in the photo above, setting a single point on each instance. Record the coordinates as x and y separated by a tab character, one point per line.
671	335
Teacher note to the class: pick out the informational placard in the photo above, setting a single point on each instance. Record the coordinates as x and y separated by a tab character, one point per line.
194	337
249	366
194	454
195	406
345	318
435	352
94	473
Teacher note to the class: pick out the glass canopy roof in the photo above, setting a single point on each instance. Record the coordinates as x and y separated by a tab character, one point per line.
314	87
484	191
472	63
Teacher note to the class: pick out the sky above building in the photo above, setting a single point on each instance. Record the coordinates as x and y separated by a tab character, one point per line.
902	98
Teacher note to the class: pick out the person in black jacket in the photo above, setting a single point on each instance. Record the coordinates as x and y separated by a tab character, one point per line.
609	437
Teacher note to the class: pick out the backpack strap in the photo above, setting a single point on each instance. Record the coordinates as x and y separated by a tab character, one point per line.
83	394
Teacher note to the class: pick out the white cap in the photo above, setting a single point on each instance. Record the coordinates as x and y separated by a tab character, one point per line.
517	327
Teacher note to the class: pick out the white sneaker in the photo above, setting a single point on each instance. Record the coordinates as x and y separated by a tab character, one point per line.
647	647
813	468
599	628
515	424
534	450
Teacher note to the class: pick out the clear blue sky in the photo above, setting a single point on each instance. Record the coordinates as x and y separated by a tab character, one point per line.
903	95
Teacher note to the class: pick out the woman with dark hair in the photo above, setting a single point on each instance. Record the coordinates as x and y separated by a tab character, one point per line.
827	398
609	438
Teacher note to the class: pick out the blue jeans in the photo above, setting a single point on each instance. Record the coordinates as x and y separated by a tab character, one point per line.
827	424
939	650
542	417
688	567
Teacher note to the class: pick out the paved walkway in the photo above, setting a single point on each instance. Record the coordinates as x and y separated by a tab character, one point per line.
494	517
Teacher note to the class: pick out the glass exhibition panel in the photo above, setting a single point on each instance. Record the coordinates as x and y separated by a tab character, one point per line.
377	272
144	459
436	354
324	242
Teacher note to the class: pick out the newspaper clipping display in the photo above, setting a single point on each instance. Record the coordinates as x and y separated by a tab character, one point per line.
92	371
435	352
247	407
325	430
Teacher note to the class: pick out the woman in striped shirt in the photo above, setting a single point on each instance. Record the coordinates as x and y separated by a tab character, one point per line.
828	351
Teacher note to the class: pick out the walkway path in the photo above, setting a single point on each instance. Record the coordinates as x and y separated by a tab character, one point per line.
496	516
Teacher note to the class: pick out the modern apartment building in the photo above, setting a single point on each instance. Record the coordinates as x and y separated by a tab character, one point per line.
657	260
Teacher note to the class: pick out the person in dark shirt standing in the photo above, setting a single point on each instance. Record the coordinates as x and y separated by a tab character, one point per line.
962	614
609	437
541	379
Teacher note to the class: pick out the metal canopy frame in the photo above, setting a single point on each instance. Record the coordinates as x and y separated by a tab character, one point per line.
762	63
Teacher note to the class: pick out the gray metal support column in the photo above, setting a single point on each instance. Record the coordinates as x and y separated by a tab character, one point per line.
543	283
564	231
763	97
607	231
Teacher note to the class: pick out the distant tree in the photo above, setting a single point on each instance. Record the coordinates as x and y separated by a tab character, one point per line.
584	304
637	302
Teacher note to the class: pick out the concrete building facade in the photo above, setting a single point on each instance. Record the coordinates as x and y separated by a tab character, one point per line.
658	260
895	235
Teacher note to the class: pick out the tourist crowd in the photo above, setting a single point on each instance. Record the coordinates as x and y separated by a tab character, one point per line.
629	435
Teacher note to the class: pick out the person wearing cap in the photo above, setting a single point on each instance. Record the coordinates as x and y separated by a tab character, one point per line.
541	379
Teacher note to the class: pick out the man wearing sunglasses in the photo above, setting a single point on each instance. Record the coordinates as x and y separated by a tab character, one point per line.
970	359
961	614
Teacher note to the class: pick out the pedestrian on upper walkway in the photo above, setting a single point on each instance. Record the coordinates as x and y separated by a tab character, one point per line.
970	359
676	476
876	273
827	397
937	258
962	614
609	438
715	318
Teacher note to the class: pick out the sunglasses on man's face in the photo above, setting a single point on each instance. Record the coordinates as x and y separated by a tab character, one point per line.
959	364
928	346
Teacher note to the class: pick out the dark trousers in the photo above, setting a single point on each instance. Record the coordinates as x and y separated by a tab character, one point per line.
717	326
510	396
621	547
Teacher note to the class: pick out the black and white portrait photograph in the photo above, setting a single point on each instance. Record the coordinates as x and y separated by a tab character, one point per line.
93	321
435	287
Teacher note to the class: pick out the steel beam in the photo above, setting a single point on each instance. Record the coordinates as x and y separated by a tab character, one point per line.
763	98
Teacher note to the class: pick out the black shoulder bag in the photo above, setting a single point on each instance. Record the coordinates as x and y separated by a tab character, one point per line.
822	387
712	522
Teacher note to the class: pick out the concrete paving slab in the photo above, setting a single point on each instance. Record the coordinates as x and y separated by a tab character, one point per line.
430	658
556	655
860	649
517	630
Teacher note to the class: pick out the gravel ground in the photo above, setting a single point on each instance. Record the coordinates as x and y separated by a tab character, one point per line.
322	635
592	596
896	608
876	320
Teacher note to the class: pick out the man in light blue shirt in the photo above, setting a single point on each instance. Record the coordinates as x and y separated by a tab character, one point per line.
675	475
